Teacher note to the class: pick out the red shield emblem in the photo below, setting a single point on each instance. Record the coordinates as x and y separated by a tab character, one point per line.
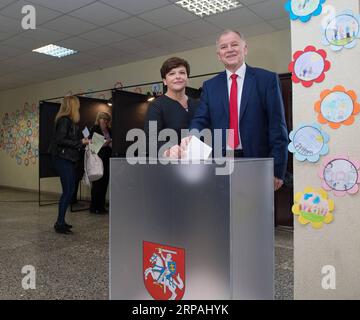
164	271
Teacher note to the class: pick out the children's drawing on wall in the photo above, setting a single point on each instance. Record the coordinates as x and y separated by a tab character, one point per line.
341	30
309	66
313	206
340	174
337	107
308	142
89	93
303	9
19	133
150	90
156	89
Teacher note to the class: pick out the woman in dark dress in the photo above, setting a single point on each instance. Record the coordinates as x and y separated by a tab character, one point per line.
99	187
65	150
173	110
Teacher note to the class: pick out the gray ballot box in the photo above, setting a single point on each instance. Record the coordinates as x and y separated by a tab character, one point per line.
184	231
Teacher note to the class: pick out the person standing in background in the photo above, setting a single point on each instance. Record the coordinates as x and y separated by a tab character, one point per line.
65	151
99	187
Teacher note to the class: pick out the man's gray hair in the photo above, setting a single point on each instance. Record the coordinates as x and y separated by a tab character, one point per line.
230	31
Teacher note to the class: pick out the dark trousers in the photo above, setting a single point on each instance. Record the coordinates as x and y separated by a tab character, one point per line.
235	153
79	172
66	171
99	187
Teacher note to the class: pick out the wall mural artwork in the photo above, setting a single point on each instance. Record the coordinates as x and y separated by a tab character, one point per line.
19	134
308	142
303	9
313	206
341	31
154	90
105	95
337	107
309	66
340	174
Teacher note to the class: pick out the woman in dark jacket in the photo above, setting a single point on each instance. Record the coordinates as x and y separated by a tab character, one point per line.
65	150
173	110
99	187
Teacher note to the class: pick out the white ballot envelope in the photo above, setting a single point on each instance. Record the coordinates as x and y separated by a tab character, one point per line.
86	132
197	150
97	142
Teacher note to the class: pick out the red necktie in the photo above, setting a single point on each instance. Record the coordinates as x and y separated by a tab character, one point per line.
233	140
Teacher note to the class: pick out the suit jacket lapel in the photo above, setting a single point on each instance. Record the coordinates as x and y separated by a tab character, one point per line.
247	87
224	93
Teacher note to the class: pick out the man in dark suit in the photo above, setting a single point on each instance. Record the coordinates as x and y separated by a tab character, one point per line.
247	101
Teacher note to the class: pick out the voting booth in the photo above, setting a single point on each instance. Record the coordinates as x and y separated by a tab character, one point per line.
192	230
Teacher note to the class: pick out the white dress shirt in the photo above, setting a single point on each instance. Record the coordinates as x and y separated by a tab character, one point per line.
240	82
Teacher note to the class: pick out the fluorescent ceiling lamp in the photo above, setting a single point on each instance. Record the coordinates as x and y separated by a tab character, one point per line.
208	7
55	51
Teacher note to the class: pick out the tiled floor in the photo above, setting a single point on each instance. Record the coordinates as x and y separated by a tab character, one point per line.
284	265
76	266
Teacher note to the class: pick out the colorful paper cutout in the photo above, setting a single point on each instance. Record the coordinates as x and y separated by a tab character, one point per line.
19	133
337	107
341	31
303	9
340	174
308	142
309	66
313	206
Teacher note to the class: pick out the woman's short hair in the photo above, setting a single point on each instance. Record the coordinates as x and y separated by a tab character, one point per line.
69	108
172	63
103	115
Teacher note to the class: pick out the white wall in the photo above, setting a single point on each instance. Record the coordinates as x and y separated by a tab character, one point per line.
271	51
337	243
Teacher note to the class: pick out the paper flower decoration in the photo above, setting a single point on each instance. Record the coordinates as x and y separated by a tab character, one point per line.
308	142
303	9
337	107
309	66
340	174
313	206
341	30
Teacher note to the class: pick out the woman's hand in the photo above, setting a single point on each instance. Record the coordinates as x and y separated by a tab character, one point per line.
107	142
85	141
174	152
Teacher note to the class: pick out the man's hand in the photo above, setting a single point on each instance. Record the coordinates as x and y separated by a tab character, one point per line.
277	183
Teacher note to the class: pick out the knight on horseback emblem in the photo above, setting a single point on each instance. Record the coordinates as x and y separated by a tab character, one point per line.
164	271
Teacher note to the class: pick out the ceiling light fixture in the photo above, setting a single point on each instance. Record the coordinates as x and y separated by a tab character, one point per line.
55	51
208	7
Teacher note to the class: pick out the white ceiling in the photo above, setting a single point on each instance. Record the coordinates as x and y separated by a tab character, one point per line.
113	32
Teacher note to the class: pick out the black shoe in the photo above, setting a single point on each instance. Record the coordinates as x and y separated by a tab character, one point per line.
62	229
96	211
68	226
